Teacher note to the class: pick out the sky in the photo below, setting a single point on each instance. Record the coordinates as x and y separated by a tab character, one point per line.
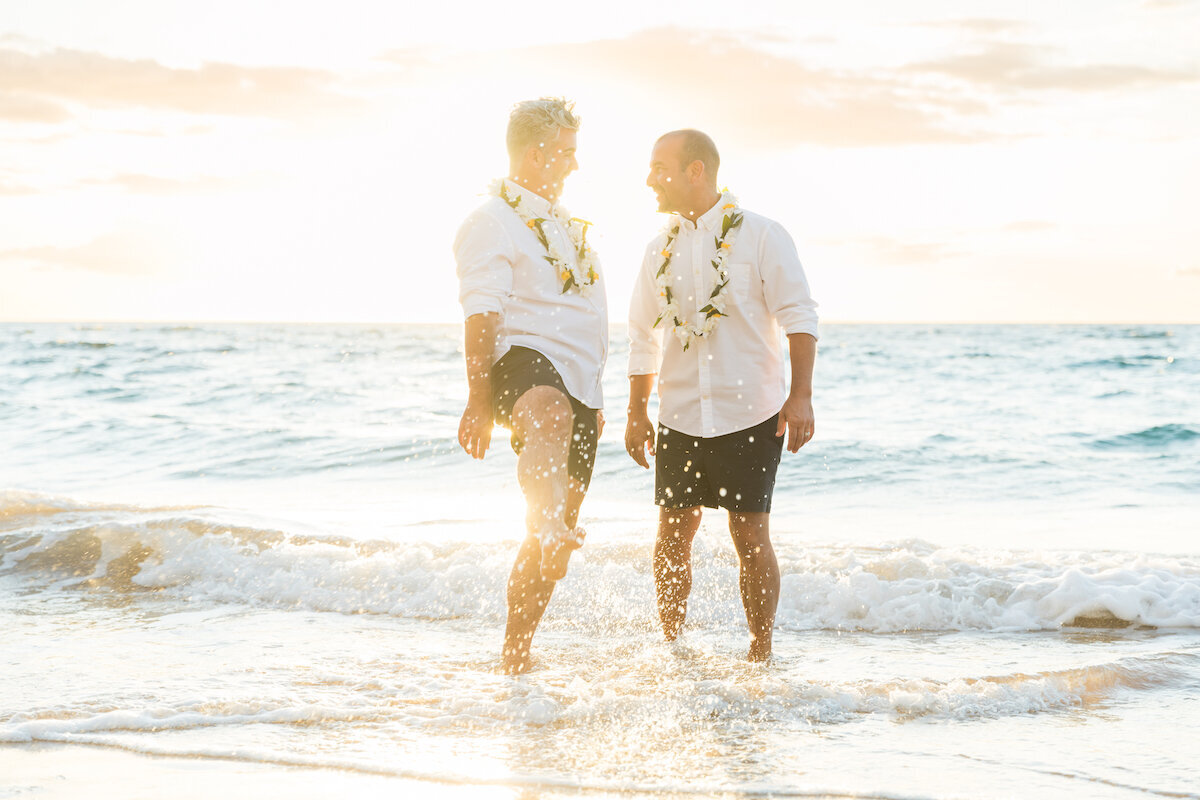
312	161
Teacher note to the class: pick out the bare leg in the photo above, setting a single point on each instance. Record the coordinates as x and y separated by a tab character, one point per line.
542	418
528	596
758	578
673	565
575	495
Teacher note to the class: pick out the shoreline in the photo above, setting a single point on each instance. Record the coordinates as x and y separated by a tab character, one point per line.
68	770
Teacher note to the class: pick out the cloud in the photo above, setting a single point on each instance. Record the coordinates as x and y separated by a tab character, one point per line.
19	39
745	84
768	98
1018	67
1193	272
15	107
112	254
978	25
15	190
158	185
411	58
137	183
160	131
100	81
1158	5
1030	226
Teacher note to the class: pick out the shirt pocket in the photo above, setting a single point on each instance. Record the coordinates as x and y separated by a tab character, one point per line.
739	282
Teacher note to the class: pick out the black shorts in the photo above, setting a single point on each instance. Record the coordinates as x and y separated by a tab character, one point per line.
518	371
735	471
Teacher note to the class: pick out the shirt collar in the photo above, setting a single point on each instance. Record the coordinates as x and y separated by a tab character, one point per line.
533	201
710	219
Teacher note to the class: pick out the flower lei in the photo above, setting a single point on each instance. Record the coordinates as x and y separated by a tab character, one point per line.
581	274
715	309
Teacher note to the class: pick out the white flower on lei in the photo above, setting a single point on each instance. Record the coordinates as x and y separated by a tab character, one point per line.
668	309
580	272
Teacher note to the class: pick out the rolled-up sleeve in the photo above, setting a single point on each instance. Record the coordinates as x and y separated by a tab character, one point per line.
645	341
484	255
784	283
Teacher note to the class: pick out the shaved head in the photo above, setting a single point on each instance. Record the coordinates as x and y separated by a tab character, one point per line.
697	146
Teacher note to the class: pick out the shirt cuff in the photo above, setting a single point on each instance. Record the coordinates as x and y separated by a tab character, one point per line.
800	324
643	364
481	305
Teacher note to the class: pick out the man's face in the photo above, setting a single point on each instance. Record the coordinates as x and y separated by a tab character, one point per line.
558	161
666	176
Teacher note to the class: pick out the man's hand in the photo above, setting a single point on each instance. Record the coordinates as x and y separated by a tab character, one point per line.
639	438
475	427
797	420
599	422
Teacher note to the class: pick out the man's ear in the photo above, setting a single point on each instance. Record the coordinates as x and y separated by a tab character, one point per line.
695	171
536	155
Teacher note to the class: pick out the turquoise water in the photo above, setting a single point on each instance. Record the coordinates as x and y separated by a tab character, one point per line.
261	542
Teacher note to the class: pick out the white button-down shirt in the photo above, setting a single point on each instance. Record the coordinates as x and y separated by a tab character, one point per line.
734	378
502	268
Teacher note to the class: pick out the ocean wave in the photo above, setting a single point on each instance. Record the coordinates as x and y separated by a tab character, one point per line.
1149	334
50	544
79	344
18	507
1122	362
1150	438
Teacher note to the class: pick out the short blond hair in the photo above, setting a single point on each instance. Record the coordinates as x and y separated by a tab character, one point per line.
534	121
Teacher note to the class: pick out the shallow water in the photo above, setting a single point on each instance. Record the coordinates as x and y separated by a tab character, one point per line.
259	542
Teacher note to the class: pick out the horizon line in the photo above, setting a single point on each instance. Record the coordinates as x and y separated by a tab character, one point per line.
65	321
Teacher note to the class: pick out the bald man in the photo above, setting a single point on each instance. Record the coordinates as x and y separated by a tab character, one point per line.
714	292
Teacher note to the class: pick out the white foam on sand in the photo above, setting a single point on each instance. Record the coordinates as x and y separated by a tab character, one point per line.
642	692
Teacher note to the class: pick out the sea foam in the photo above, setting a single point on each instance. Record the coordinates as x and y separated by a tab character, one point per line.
906	586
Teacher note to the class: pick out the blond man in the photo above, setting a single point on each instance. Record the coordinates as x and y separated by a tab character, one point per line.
536	342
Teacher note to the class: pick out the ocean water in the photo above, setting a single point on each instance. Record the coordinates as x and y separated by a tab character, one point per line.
261	544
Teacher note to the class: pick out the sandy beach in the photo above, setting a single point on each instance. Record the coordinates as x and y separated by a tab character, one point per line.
68	772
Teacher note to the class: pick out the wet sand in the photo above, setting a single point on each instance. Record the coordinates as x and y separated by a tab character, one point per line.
69	772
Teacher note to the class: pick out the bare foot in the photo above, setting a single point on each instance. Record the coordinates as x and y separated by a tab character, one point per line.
515	663
759	653
576	538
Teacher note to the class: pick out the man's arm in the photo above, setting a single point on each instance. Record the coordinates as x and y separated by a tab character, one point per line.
797	411
484	255
791	303
475	427
644	352
639	431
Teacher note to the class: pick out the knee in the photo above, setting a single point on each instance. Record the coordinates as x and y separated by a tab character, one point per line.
752	541
754	552
544	409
